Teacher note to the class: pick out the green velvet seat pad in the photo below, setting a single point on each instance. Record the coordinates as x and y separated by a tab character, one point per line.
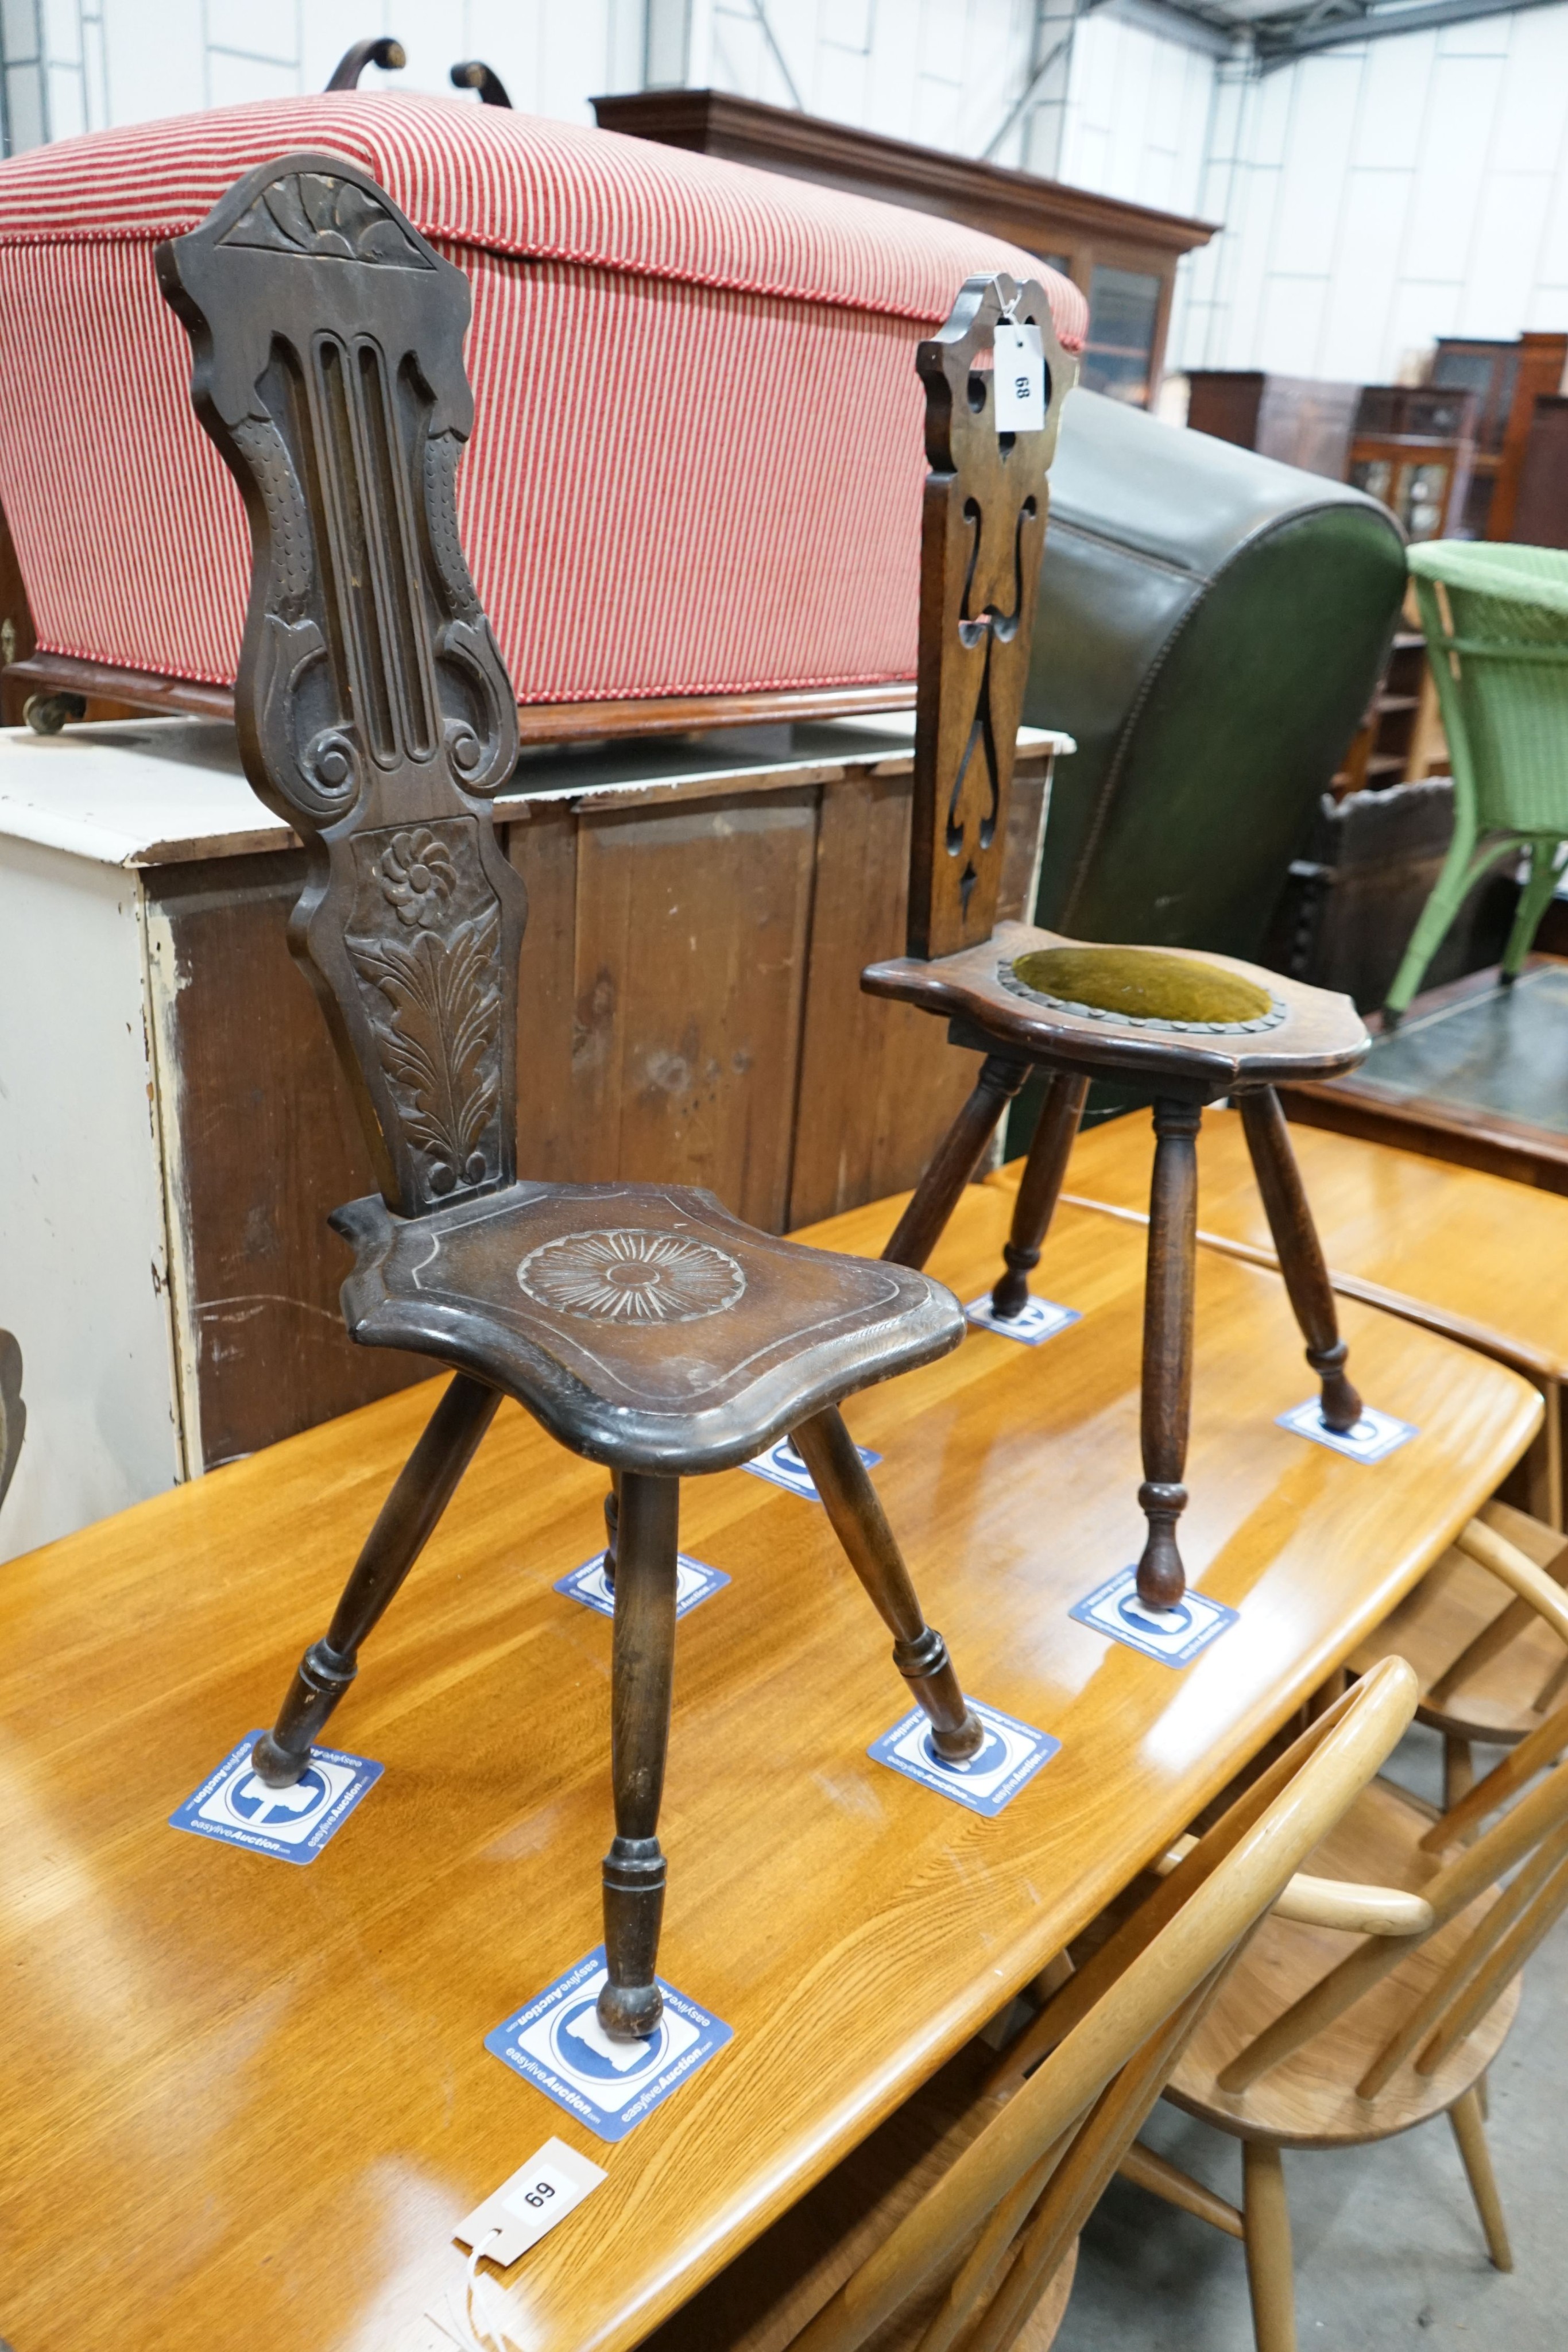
1142	984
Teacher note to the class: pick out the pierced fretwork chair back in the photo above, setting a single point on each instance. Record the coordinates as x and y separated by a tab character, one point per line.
1530	1839
374	713
982	537
1189	1027
1071	2092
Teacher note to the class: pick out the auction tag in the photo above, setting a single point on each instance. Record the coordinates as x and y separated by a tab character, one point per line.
524	2208
1020	380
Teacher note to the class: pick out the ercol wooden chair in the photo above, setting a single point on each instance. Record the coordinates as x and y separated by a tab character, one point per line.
1487	1633
1191	1027
1311	2047
646	1328
953	2228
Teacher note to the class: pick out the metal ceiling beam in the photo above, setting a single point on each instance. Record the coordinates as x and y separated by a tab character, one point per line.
1176	24
1280	44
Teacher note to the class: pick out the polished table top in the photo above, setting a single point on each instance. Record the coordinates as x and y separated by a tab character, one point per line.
244	2103
1487	1258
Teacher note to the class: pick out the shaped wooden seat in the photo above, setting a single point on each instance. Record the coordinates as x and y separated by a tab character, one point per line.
642	1323
953	2228
1311	2045
644	1326
1192	1028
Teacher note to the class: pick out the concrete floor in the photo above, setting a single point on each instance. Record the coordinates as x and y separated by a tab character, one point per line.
1388	2249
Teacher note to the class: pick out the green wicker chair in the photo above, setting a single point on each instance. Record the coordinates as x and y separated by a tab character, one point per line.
1496	619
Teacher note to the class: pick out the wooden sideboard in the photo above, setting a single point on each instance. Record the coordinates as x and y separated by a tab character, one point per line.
1122	256
700	911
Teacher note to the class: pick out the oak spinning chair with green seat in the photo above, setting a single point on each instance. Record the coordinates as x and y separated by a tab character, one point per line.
1496	621
1189	1027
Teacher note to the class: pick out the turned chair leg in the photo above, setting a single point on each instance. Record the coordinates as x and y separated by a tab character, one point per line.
1300	1252
630	2002
1037	1196
612	1527
1168	1348
861	1525
1469	2130
1267	2219
957	1156
408	1518
1458	1770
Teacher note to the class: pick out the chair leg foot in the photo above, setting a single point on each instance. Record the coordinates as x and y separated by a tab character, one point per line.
630	2002
1266	2216
425	1484
321	1678
1300	1252
1458	1771
1469	2131
871	1548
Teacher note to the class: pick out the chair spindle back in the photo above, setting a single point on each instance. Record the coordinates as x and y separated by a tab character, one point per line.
1072	2091
1532	1837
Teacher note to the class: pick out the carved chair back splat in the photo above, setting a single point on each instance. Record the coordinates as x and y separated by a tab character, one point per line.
1029	1000
373	708
646	1328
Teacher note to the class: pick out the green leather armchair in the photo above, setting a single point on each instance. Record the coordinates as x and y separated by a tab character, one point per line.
1211	627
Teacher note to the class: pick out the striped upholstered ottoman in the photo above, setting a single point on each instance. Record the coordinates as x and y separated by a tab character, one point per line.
697	464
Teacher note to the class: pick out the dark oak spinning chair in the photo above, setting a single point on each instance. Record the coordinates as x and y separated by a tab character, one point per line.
646	1328
1191	1027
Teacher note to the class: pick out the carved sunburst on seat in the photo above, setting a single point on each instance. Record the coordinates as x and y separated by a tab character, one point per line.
632	1275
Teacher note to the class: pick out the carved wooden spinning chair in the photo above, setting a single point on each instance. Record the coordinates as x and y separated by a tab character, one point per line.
1191	1027
643	1324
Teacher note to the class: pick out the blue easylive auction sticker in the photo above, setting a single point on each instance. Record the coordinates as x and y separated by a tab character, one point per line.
1172	1635
1013	1752
694	1580
1036	1319
556	2043
784	1467
235	1806
1371	1439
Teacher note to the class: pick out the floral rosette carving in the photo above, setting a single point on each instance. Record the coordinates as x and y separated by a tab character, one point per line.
632	1275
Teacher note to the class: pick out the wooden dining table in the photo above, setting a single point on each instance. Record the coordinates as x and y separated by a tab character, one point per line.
244	2103
1475	1255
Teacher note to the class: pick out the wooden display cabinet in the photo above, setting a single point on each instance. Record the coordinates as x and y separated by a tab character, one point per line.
1297	420
1541	512
1507	379
1122	256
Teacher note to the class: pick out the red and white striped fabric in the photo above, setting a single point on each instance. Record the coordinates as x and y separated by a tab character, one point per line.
696	460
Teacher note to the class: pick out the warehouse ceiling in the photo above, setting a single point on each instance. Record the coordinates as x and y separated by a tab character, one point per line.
1278	30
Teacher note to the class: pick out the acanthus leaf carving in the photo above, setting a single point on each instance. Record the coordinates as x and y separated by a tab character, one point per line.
437	1026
